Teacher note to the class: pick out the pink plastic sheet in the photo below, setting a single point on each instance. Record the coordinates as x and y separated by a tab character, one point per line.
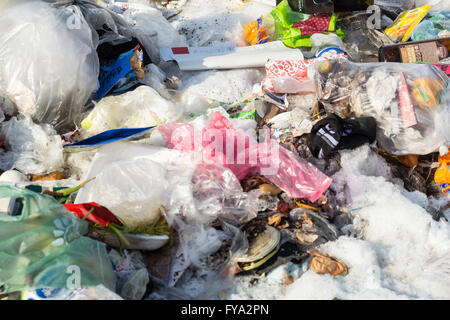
221	143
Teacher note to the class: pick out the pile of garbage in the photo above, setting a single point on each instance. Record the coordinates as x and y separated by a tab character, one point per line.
136	164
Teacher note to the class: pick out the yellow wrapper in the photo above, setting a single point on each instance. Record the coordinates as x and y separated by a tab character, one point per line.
405	23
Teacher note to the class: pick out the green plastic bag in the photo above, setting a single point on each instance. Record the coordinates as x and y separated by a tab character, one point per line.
285	18
45	247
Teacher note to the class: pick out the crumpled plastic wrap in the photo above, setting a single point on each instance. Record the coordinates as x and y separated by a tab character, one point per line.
140	108
115	28
132	274
291	76
30	148
53	84
150	22
409	101
295	176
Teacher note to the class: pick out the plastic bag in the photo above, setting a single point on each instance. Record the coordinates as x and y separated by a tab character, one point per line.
436	5
185	137
132	274
299	179
259	31
409	101
45	247
442	174
133	190
140	108
395	6
53	84
436	25
30	148
295	28
291	76
122	74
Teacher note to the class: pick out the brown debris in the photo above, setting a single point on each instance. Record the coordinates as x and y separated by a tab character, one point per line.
158	263
270	188
306	238
410	160
57	175
323	264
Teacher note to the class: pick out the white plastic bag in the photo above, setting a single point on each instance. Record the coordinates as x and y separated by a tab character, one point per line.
30	148
131	182
49	67
143	107
149	22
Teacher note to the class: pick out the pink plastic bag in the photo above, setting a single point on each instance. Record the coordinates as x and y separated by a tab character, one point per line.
213	143
297	177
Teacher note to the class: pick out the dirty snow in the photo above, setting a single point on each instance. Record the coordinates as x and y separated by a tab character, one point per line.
398	251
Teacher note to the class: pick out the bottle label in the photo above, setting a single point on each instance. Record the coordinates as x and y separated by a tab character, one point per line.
420	52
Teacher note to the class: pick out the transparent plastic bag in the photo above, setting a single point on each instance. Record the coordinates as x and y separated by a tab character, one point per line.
140	108
409	101
116	29
30	148
45	247
132	274
204	262
52	84
435	25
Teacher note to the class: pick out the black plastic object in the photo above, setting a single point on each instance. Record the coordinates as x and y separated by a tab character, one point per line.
108	51
18	206
334	133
